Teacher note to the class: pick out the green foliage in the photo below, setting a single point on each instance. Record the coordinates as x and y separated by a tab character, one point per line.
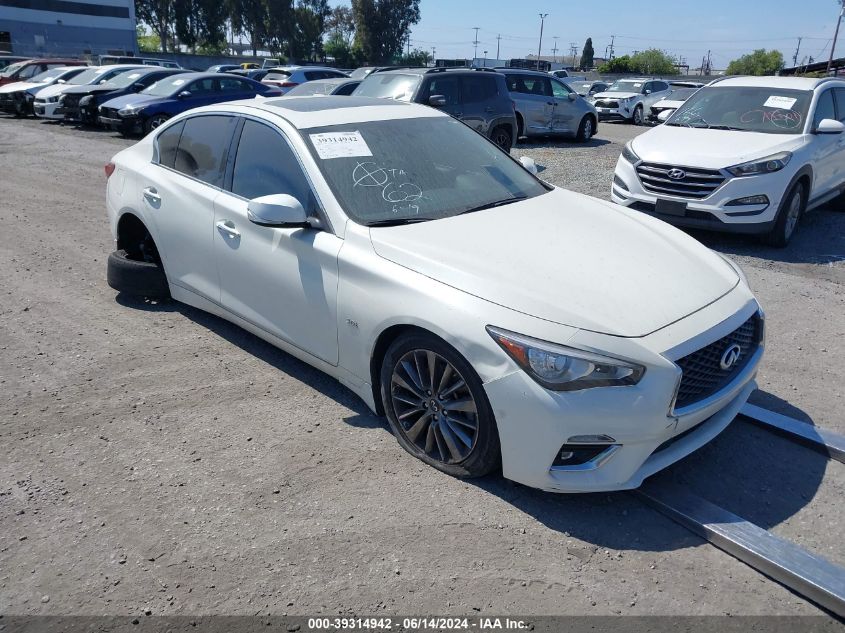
587	55
382	26
147	42
201	24
339	49
650	62
158	15
417	57
760	62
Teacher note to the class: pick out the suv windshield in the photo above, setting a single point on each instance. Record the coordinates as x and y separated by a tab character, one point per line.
165	87
626	86
389	85
750	109
681	94
441	168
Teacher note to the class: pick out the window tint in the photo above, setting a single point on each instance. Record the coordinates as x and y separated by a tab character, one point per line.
229	84
346	90
265	165
560	90
201	87
840	103
824	108
167	142
203	147
30	71
530	85
446	86
478	89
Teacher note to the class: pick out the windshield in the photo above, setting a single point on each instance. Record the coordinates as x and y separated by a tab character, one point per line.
750	109
360	73
87	76
165	87
388	85
581	88
415	169
681	94
626	86
124	79
48	75
11	69
311	88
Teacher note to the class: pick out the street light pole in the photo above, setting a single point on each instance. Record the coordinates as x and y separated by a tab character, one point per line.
835	36
485	59
543	17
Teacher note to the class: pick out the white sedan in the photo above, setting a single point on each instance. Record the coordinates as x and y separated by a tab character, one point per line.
494	319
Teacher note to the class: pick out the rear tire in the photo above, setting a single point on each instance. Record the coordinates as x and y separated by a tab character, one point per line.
437	407
791	211
503	138
586	130
637	118
136	278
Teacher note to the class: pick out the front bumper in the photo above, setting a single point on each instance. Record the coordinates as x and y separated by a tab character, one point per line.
125	125
647	435
625	112
713	212
47	110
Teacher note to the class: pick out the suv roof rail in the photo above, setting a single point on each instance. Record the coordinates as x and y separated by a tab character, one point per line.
443	69
486	70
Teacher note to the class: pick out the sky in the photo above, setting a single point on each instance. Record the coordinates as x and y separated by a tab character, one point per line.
687	28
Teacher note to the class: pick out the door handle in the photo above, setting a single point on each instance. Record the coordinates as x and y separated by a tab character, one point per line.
228	227
151	195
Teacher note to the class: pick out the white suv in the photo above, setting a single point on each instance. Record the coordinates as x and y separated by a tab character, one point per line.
744	154
630	99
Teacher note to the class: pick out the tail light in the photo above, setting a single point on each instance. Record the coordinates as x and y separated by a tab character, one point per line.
288	84
109	170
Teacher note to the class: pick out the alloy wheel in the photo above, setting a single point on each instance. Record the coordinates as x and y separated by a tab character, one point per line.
434	406
793	214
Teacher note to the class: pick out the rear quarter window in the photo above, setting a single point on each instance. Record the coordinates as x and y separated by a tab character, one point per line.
167	143
203	147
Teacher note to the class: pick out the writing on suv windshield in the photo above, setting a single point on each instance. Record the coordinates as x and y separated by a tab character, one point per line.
412	170
748	109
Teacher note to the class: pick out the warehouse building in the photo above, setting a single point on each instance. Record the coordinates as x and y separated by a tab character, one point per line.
48	28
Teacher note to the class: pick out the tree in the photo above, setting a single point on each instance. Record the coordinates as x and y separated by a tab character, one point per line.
339	49
587	55
653	62
341	24
760	62
417	57
201	23
249	18
382	26
617	65
147	43
158	15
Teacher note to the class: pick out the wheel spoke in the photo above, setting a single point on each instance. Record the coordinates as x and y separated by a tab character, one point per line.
431	357
459	383
404	384
467	405
410	412
418	427
412	373
451	443
438	438
429	440
472	425
466	440
444	379
414	402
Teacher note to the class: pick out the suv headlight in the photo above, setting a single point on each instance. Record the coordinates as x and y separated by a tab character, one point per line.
127	111
629	154
561	368
767	165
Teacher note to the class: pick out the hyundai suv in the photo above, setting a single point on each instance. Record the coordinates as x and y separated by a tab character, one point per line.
630	99
743	154
479	98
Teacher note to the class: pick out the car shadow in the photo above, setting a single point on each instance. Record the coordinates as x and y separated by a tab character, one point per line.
755	474
551	142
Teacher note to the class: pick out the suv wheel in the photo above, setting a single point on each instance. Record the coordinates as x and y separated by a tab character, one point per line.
502	137
789	215
637	119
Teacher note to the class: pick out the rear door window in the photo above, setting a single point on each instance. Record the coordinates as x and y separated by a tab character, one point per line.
203	148
478	89
233	85
560	90
201	86
448	87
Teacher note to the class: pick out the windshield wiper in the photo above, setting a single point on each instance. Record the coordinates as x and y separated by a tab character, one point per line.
398	221
492	205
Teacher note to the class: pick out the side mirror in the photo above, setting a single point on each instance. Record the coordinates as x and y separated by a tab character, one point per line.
664	115
437	101
184	94
830	126
138	87
573	96
278	209
102	81
61	81
529	164
646	92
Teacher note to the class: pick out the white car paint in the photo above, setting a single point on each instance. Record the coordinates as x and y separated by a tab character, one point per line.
572	270
642	95
47	99
820	156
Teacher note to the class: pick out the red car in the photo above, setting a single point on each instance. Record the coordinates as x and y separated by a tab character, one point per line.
21	71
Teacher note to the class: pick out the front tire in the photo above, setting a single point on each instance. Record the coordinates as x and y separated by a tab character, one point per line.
637	118
789	215
437	408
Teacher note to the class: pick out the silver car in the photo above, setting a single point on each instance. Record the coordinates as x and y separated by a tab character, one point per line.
545	105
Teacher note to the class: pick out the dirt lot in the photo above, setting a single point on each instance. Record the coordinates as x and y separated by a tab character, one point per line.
158	458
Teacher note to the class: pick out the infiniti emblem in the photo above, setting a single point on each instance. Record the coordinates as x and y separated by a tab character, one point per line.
730	356
677	174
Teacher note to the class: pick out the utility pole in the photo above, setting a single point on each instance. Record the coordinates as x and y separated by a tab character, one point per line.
612	42
835	35
554	49
795	57
475	48
433	53
543	17
708	63
408	53
573	49
498	44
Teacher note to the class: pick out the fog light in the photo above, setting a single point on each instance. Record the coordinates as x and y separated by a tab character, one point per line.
619	182
583	456
748	200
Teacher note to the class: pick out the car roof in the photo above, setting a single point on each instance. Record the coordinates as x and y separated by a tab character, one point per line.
785	83
308	112
335	81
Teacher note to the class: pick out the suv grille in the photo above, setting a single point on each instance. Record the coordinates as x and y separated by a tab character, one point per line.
606	103
703	375
695	183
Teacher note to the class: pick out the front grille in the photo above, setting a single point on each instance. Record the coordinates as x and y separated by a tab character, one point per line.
607	103
109	113
702	372
695	183
70	101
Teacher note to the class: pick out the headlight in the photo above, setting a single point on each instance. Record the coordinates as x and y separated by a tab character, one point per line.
53	99
629	154
562	368
128	111
86	100
767	165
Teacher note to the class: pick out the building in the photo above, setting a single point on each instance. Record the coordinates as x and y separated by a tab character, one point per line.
51	28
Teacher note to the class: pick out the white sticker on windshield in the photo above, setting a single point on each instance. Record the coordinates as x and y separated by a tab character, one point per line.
340	145
638	85
178	82
784	103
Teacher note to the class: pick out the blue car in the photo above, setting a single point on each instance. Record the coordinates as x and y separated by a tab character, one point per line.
146	110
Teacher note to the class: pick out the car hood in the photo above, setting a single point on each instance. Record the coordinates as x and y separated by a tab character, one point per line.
567	258
52	90
709	149
88	89
18	86
134	100
616	95
668	103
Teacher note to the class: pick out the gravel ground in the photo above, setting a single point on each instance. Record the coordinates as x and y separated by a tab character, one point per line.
155	458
